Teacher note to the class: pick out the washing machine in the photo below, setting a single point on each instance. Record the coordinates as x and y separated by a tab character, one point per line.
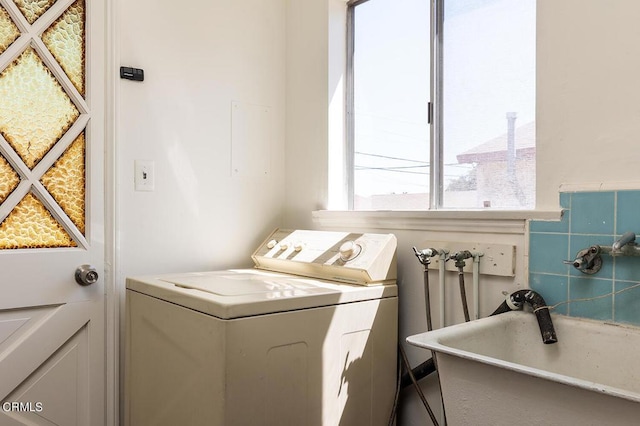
306	337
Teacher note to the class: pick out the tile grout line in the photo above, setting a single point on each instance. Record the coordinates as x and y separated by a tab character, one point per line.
568	273
613	258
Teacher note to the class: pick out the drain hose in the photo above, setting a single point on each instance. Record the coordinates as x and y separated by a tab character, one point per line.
516	300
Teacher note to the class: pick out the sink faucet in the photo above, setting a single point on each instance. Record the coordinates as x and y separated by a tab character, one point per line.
516	300
589	260
626	238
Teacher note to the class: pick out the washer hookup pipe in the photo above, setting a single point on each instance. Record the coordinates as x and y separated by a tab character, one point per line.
476	284
423	370
441	275
424	256
460	257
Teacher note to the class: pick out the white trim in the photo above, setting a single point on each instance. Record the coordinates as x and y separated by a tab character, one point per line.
481	221
111	264
599	186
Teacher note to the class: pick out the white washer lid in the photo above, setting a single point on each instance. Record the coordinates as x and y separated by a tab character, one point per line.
241	293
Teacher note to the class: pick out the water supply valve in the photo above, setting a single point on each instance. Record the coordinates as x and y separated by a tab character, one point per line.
425	255
460	257
587	261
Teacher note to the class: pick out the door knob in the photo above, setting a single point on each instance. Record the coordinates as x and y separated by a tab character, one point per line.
86	275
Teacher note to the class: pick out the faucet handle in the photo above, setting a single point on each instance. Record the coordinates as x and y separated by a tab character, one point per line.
587	261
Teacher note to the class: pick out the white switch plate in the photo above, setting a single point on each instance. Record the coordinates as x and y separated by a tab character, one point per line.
144	175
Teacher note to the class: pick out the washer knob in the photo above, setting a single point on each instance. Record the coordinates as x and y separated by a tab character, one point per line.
284	245
298	246
271	244
349	250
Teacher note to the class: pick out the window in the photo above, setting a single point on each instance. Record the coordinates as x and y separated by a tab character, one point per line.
441	104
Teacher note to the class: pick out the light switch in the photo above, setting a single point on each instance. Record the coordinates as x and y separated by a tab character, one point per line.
144	175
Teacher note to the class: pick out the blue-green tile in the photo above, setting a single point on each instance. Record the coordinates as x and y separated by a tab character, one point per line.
627	303
580	242
628	212
547	251
581	288
565	200
559	226
589	218
627	268
553	288
592	213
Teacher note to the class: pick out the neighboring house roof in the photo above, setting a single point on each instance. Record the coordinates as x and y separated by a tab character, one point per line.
496	148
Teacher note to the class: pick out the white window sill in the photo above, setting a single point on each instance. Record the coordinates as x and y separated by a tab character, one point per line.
473	221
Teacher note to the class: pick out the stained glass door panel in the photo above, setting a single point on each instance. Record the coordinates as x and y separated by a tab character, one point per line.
43	114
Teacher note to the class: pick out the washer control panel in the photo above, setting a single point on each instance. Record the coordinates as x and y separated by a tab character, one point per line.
357	258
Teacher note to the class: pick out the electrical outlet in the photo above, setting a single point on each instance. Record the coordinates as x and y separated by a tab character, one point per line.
144	175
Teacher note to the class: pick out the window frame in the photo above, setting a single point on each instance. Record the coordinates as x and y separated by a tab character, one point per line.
435	108
436	175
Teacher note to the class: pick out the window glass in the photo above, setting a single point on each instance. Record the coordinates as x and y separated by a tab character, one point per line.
488	97
391	94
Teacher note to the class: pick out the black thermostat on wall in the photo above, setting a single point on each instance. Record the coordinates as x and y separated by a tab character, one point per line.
135	74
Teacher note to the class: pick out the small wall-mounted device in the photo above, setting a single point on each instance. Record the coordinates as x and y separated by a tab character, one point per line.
135	74
144	175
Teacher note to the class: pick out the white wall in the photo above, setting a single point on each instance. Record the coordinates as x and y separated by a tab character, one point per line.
307	110
198	57
588	89
588	117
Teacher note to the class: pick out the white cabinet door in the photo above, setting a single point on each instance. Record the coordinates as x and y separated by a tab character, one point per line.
52	334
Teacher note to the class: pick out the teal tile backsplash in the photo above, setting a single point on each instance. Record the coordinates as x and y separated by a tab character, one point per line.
598	217
592	213
546	261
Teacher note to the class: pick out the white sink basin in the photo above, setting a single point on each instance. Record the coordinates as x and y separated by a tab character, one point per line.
497	371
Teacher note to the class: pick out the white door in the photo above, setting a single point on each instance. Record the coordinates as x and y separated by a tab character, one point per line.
52	350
